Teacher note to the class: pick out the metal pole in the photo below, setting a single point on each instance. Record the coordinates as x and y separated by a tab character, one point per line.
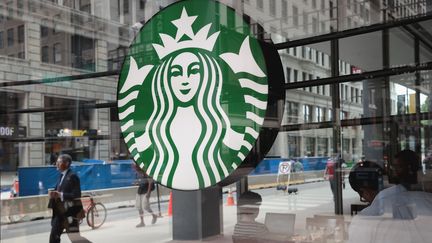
158	199
336	126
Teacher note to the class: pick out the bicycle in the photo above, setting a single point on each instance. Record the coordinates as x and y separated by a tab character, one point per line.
96	212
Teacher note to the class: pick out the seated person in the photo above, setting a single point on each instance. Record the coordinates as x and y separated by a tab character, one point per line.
247	229
402	173
396	214
366	178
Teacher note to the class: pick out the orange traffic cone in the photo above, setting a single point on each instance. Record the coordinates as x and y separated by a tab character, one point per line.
230	199
170	205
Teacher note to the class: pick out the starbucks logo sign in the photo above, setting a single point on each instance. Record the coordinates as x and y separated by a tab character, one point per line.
193	94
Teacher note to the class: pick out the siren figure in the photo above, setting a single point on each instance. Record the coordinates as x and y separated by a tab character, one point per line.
188	130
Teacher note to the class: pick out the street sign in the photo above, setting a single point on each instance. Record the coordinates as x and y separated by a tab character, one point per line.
284	168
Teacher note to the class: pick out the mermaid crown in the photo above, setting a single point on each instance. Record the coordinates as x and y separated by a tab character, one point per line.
200	40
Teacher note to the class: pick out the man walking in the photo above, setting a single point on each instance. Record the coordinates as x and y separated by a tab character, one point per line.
65	203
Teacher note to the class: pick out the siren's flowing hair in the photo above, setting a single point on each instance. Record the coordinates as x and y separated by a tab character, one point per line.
206	157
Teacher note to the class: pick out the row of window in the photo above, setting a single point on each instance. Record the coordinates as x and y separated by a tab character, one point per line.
311	113
292	75
10	36
319	146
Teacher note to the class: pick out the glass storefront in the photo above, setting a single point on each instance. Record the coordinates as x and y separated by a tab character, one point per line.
357	83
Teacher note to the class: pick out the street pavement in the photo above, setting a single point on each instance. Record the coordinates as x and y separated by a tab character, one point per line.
312	198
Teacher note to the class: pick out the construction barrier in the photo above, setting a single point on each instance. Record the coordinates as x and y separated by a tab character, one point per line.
30	207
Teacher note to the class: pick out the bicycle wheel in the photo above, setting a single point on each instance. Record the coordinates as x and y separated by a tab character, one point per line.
96	215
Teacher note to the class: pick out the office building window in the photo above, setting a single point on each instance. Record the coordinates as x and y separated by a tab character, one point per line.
292	112
21	34
260	4
295	75
356	95
44	31
1	39
295	16
331	9
315	25
305	22
272	7
307	113
309	146
304	76
142	4
288	75
346	92
284	10
319	114
57	53
322	146
342	91
10	37
45	57
125	7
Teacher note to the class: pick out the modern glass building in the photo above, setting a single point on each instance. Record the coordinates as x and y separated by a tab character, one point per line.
357	82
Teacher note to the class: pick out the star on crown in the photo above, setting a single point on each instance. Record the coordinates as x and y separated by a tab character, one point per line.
184	27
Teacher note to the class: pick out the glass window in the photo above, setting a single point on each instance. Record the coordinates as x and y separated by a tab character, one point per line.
57	53
320	113
272	7
284	11
260	4
21	34
288	75
322	147
292	112
142	4
307	113
1	39
304	76
10	37
72	109
309	147
45	54
44	31
295	16
125	7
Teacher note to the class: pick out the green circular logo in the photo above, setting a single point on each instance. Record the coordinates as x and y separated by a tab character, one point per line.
192	94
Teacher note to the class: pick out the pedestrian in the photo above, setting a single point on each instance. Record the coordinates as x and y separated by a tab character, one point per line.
65	203
298	166
329	173
145	186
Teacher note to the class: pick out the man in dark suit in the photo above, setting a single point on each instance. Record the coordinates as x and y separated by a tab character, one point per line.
65	203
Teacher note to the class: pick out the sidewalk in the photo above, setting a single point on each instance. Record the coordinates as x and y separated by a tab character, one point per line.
121	222
124	231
